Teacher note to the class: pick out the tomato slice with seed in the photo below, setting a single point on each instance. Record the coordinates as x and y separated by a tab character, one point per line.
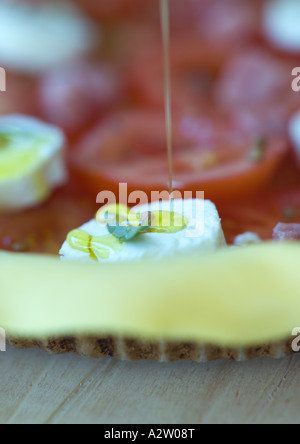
211	154
194	67
227	22
256	82
238	82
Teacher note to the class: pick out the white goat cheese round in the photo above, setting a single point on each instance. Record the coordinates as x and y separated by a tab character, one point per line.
31	161
202	234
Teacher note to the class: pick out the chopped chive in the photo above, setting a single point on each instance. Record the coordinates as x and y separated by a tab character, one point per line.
126	233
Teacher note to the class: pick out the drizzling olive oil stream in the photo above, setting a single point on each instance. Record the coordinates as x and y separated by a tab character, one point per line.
102	246
165	24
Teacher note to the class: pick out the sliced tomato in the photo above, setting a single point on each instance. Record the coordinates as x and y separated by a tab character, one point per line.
256	82
224	23
43	229
211	154
252	76
77	95
227	22
194	66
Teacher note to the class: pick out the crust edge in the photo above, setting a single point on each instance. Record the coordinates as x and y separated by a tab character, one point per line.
127	349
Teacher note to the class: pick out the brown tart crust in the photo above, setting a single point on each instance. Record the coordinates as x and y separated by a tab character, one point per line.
127	349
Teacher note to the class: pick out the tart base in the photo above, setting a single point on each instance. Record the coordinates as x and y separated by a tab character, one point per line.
127	349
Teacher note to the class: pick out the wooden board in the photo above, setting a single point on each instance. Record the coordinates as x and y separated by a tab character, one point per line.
42	389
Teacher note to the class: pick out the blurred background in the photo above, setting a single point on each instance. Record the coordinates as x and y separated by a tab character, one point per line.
94	68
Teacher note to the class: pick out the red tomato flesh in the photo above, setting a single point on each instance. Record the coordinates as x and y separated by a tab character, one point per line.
227	22
211	154
256	82
194	66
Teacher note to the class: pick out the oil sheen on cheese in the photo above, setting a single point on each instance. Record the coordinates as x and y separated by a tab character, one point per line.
31	161
157	245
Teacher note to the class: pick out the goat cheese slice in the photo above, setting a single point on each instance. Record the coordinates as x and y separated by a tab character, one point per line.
202	234
36	38
281	24
31	161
